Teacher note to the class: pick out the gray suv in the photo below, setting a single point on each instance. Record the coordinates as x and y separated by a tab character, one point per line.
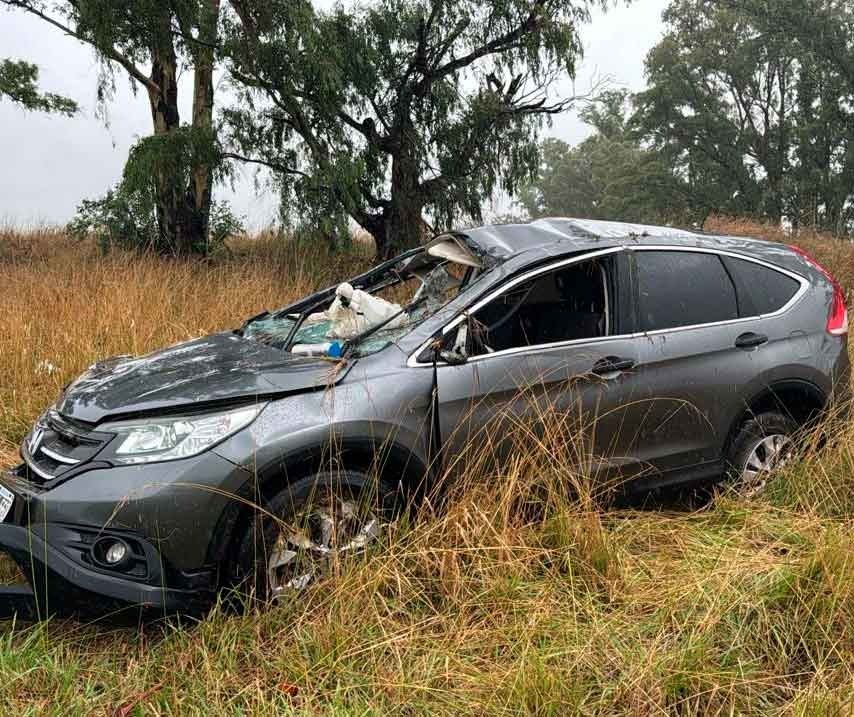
695	356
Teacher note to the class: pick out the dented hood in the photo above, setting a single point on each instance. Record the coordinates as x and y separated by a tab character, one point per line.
220	367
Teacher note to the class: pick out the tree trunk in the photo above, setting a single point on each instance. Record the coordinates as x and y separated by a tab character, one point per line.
200	189
170	200
375	225
183	205
403	219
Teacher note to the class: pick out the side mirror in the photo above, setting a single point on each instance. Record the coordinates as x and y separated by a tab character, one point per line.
452	358
457	355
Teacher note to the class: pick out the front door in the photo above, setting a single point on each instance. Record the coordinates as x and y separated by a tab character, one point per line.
548	366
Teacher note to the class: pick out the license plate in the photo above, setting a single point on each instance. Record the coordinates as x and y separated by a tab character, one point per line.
7	497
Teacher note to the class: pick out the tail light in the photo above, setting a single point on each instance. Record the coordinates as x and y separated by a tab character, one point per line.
837	319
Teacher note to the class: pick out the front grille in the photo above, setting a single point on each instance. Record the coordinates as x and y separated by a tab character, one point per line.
56	446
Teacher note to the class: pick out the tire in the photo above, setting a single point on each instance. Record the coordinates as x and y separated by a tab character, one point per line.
293	522
756	446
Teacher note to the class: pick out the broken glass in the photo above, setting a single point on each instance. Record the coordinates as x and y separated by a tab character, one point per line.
435	286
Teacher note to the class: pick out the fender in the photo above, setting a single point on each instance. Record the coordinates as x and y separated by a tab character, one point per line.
778	394
355	452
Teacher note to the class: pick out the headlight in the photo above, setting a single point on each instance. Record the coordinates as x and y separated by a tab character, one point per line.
170	438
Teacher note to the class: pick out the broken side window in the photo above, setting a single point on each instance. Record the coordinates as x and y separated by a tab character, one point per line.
567	304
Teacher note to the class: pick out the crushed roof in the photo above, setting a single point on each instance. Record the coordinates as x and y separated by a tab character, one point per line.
509	239
601	229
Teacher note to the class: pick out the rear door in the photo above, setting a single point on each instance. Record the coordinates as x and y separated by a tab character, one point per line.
703	347
550	347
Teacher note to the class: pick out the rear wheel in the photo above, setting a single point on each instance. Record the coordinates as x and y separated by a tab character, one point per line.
309	529
762	446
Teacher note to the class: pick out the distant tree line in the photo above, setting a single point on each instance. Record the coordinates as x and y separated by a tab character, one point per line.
749	111
395	113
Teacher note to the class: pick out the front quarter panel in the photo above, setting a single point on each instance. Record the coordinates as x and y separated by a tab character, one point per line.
381	401
178	505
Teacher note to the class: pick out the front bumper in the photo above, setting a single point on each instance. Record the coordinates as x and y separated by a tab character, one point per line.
51	536
59	585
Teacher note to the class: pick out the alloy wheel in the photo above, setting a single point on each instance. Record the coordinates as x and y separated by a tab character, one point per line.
330	529
767	456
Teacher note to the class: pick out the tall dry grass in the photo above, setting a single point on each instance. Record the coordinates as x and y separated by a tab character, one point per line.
66	305
511	596
836	254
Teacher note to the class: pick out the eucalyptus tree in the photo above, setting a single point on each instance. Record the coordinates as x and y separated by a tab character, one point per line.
170	174
824	27
751	102
720	102
19	83
397	110
823	173
608	175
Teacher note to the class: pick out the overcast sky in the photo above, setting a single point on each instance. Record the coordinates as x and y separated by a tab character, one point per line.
51	163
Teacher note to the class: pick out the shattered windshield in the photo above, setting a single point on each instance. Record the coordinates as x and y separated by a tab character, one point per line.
363	317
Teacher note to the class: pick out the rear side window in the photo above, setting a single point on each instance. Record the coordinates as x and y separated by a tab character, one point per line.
681	288
761	290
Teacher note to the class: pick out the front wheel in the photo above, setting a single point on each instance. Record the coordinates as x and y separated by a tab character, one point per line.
308	529
762	446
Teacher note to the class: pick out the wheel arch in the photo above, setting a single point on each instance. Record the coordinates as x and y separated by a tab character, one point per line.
386	459
799	399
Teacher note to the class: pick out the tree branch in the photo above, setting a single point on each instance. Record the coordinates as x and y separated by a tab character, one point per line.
249	25
379	113
368	129
500	44
372	200
419	59
275	166
108	52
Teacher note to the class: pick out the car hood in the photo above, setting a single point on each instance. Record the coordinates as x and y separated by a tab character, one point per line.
216	368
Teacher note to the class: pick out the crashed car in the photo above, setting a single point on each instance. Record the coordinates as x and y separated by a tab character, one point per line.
244	457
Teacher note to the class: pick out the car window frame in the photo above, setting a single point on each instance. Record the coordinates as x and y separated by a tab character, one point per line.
628	313
743	288
636	293
527	275
802	289
609	319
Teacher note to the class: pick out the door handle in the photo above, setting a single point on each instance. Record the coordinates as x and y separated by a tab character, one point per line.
750	340
612	364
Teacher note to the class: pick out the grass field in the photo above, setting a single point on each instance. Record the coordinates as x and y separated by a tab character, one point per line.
732	608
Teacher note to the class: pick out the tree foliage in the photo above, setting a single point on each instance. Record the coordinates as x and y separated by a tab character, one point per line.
387	111
152	42
128	216
749	111
608	175
19	83
391	113
823	164
755	115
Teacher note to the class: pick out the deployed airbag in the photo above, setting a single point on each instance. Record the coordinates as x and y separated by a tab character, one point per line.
355	311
